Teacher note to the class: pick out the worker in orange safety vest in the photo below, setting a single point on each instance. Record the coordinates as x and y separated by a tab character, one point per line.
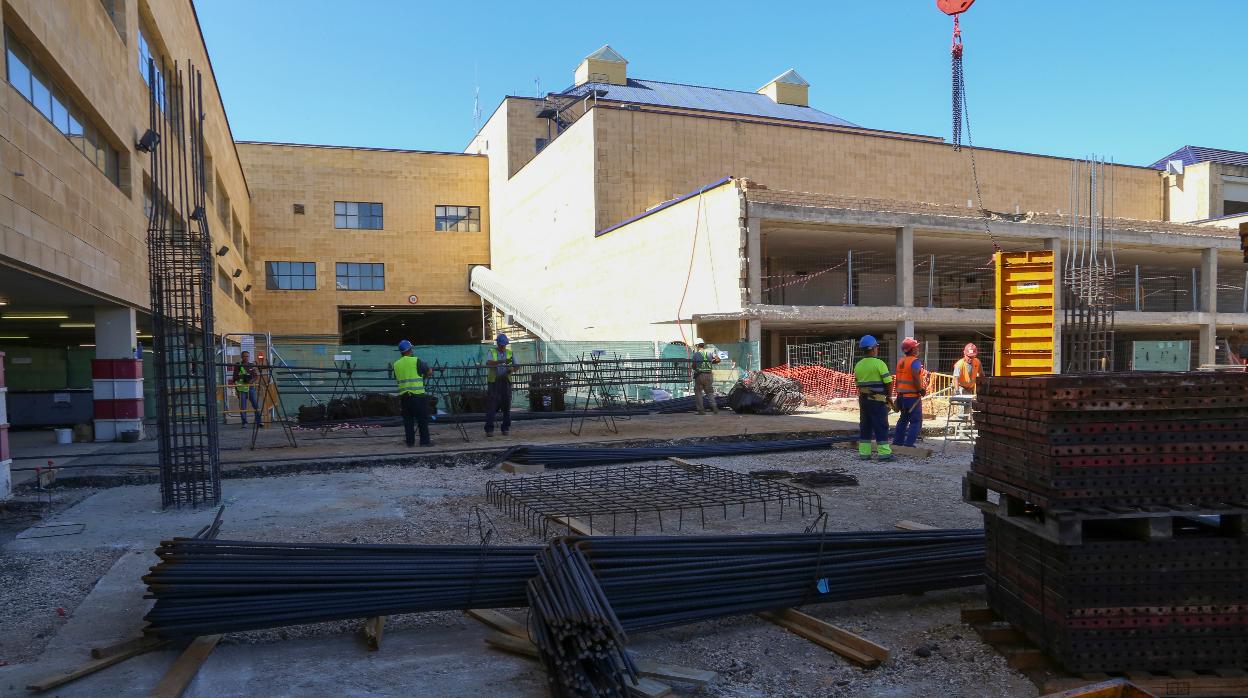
967	370
911	385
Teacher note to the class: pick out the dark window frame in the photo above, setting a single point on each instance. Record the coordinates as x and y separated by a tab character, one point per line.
359	215
360	276
59	109
1232	207
455	218
281	276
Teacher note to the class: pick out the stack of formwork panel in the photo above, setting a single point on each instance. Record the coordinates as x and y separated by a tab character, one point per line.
1116	535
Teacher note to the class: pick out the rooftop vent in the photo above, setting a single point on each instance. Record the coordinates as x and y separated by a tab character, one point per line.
788	88
603	65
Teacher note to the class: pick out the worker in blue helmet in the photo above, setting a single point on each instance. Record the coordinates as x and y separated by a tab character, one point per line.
500	363
411	372
874	383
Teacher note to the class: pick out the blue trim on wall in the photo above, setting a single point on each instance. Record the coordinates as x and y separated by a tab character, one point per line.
666	204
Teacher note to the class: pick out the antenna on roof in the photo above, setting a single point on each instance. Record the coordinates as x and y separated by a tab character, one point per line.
476	101
537	87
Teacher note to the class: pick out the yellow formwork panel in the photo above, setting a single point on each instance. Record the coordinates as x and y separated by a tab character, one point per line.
1025	283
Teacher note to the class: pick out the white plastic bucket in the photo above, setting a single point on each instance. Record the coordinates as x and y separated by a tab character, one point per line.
64	436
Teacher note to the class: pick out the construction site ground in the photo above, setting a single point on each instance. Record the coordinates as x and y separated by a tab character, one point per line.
69	593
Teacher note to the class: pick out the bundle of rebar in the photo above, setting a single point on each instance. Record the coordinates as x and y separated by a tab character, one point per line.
765	393
684	404
206	587
572	625
576	457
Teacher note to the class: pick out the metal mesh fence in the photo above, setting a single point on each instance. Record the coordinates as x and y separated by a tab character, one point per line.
1156	289
857	277
953	281
1232	290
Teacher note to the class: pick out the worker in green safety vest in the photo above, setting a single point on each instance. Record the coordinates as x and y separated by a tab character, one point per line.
703	380
411	372
244	381
874	382
499	366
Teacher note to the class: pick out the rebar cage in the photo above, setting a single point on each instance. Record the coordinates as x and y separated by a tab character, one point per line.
181	268
635	495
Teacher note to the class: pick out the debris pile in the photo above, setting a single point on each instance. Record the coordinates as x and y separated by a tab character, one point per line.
764	393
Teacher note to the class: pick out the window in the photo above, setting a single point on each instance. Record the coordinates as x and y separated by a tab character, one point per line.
357	214
238	296
209	182
247	306
461	218
238	235
290	276
116	14
32	81
223	204
540	144
223	281
361	277
1230	208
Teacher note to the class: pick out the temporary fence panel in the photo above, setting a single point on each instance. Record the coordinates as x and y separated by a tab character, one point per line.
1025	313
856	277
1155	355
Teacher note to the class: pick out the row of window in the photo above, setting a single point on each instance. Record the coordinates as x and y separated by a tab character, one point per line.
368	215
301	276
34	83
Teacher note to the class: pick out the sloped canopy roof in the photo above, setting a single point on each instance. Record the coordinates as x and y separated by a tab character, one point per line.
791	77
1192	154
606	53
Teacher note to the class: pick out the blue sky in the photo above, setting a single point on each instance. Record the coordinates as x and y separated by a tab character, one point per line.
1129	80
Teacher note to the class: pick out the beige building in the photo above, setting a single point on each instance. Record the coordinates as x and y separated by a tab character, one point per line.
366	245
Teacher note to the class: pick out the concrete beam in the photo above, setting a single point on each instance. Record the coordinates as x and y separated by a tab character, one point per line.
905	267
933	223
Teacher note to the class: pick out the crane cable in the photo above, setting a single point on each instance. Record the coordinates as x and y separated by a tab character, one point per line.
962	115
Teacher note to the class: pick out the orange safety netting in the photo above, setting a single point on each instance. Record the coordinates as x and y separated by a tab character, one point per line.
818	382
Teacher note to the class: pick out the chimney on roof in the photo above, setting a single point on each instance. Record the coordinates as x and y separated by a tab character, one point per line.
603	65
788	88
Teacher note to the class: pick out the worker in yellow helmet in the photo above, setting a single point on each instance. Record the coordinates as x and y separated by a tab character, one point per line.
411	372
874	381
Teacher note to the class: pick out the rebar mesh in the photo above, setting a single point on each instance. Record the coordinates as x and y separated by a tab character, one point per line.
623	499
1088	270
181	270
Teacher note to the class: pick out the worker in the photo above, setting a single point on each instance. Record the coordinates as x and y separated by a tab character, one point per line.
967	370
911	386
498	397
703	380
411	372
244	381
873	379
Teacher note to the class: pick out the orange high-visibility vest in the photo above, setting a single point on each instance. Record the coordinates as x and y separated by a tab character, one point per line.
908	379
967	371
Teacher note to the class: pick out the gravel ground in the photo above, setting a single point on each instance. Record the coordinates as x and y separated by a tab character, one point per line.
932	653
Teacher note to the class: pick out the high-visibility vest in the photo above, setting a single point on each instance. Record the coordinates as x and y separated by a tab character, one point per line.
243	384
702	362
407	373
908	379
493	372
871	375
966	371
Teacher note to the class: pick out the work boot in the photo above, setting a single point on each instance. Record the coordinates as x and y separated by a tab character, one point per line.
862	457
489	434
887	459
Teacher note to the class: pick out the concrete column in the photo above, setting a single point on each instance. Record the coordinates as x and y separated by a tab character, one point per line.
1209	280
754	259
115	330
754	334
1209	305
1055	244
905	328
905	267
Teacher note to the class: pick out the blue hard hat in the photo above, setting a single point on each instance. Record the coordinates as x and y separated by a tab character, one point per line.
502	340
867	342
405	345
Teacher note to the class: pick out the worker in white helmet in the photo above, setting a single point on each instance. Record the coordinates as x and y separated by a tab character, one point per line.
703	382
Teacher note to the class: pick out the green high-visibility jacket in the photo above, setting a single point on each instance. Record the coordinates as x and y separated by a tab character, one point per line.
407	373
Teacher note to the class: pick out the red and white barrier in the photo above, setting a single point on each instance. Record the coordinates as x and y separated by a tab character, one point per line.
118	393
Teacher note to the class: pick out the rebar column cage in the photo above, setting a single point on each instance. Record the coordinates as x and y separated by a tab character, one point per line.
181	269
628	496
1088	270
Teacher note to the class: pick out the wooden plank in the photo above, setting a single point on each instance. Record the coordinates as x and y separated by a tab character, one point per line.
912	451
1114	688
184	668
1021	658
1000	634
856	649
1164	686
512	644
687	465
669	672
577	526
499	621
522	468
978	615
93	666
373	628
648	688
908	525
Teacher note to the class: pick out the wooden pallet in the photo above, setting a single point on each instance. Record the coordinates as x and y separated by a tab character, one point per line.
1049	677
1070	526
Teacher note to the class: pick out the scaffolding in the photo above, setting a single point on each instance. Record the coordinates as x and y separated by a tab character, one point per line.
181	271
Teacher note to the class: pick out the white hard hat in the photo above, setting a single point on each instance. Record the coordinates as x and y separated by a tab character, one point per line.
699	340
